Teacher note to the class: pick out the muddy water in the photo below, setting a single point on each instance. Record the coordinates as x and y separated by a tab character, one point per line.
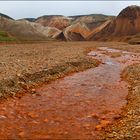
75	107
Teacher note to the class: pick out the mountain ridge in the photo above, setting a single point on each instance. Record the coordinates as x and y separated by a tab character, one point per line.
96	27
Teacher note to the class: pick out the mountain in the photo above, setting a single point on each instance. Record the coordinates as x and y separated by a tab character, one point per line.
61	22
98	29
57	21
126	24
86	26
128	21
72	28
5	16
124	27
87	19
21	30
75	32
49	32
30	19
27	31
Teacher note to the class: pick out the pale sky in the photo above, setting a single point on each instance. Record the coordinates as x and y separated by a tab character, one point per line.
34	9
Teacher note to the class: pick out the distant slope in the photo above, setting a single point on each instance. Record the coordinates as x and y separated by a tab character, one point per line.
98	29
58	21
5	16
61	22
124	27
127	23
29	19
49	32
21	30
72	28
135	39
24	30
5	37
91	18
77	31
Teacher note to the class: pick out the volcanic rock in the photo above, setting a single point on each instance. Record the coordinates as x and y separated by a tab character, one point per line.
25	30
127	23
59	21
78	31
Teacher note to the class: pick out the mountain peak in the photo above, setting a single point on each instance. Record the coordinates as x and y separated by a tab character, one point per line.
5	16
132	11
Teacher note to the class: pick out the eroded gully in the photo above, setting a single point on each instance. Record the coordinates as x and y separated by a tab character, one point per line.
75	107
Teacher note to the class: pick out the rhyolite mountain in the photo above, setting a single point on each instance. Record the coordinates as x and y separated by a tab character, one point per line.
124	27
57	21
61	22
74	28
21	30
52	26
24	30
3	15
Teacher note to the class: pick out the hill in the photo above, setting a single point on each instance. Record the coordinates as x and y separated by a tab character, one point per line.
5	16
126	24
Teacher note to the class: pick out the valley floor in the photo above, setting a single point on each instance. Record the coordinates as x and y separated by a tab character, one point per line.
23	67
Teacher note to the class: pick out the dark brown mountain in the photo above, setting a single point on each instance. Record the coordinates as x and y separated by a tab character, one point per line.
127	23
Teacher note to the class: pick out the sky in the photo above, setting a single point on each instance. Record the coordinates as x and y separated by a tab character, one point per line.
34	9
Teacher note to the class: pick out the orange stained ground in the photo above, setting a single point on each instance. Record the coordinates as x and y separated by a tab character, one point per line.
75	107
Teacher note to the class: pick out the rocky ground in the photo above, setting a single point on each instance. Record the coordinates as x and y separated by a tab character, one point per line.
128	126
25	66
